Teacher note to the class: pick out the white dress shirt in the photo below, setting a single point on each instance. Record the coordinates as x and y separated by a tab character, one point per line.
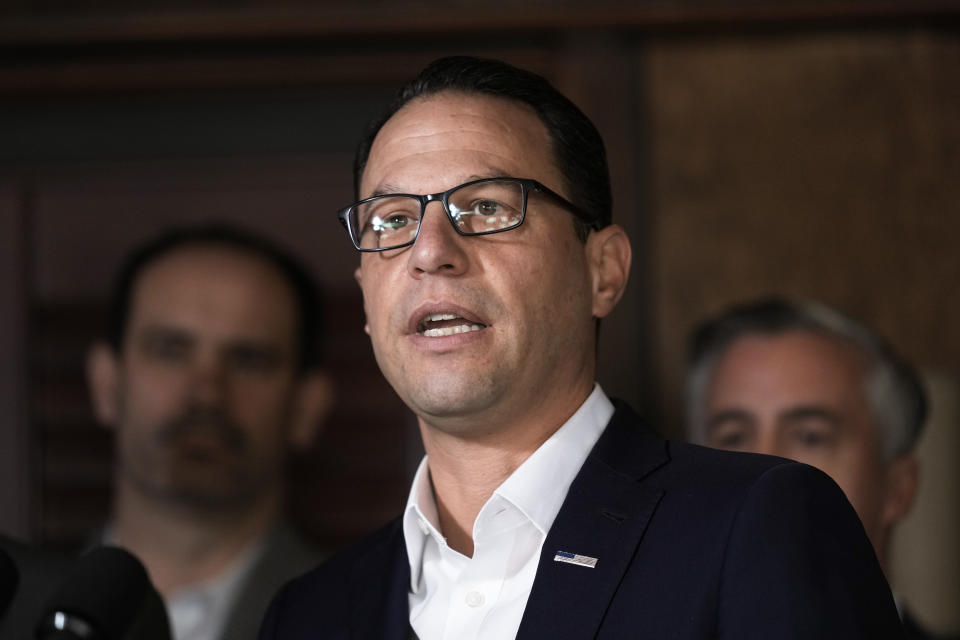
453	597
200	612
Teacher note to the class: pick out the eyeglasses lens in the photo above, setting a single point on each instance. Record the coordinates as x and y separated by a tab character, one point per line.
475	209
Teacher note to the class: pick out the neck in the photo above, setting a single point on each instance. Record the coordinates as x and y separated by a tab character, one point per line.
467	465
185	545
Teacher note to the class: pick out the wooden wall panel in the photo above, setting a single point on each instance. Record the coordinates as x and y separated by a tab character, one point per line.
927	578
601	75
24	23
819	165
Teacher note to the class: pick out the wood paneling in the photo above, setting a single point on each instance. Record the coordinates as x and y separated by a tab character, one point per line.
820	166
162	21
602	76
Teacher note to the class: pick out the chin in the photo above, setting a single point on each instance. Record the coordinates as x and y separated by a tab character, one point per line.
209	489
214	498
453	400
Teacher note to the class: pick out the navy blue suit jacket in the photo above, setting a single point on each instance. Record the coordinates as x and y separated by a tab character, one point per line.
690	542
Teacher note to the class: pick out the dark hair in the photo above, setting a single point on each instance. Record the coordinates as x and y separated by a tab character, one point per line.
576	144
306	292
893	389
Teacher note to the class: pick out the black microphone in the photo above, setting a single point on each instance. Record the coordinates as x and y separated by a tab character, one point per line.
9	579
107	596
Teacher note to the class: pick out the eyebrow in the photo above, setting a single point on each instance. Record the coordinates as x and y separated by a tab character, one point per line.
247	346
390	189
807	412
250	343
152	331
728	415
387	189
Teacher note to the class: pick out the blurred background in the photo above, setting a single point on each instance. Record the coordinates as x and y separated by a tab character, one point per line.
806	148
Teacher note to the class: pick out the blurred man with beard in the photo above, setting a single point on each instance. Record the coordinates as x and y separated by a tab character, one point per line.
209	379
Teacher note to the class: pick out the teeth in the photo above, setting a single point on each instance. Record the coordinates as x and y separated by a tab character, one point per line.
449	331
465	326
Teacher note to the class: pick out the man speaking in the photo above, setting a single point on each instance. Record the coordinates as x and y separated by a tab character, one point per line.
542	509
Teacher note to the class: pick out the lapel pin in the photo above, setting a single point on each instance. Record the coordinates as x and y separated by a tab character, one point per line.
575	558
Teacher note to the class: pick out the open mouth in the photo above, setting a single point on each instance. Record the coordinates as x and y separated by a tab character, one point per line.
438	325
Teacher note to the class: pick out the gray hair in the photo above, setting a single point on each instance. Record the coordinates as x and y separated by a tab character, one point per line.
892	388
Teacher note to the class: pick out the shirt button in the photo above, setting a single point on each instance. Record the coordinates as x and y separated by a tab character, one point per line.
475	599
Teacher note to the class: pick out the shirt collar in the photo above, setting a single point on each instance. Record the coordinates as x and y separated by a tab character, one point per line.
537	487
420	521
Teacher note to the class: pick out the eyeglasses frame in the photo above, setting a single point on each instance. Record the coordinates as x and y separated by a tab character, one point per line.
526	185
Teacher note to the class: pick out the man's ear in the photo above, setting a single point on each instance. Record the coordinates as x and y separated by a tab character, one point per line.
313	402
903	479
609	256
103	380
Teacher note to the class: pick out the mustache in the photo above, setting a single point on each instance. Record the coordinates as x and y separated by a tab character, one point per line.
206	422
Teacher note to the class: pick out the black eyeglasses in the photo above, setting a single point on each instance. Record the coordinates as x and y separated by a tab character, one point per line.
476	208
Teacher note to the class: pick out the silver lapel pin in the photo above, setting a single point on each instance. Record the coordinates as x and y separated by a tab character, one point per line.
575	558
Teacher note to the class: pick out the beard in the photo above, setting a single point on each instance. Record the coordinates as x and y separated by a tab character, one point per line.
200	459
212	425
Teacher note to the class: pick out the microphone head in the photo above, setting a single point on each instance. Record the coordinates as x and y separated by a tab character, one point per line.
9	579
101	598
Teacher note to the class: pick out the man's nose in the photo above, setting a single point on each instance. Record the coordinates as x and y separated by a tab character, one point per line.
439	249
768	443
208	381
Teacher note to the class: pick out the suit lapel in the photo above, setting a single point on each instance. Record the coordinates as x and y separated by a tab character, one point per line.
284	556
604	516
379	585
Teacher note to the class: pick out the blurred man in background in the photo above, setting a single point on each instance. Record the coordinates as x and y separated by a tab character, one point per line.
209	379
801	381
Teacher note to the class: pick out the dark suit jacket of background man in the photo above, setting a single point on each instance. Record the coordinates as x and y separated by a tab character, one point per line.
285	554
690	543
